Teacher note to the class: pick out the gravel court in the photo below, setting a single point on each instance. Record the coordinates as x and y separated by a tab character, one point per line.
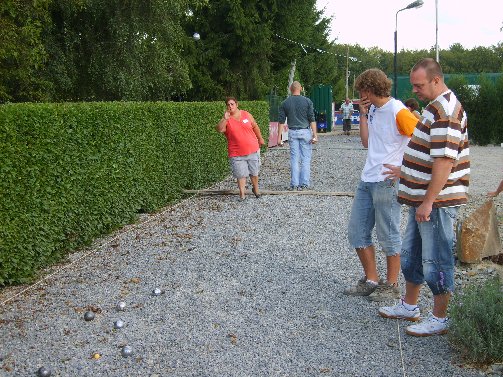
249	289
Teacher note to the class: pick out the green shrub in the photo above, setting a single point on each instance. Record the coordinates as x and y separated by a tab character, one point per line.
483	106
476	327
74	171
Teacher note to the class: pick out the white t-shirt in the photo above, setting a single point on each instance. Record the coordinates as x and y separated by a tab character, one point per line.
390	127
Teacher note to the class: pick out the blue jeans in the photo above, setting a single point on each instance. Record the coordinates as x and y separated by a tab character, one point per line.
427	253
375	204
301	151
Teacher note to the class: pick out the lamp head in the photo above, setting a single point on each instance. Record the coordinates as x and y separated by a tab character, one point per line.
196	36
415	4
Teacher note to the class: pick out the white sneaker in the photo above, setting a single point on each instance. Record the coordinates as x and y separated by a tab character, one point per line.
399	311
428	326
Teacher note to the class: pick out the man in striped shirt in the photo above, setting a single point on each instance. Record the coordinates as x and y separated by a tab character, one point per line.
434	180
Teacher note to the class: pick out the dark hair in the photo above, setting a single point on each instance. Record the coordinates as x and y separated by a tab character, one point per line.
375	81
431	66
412	103
227	99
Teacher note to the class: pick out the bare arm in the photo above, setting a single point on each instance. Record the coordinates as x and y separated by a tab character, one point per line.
256	130
364	127
222	125
314	130
439	174
498	190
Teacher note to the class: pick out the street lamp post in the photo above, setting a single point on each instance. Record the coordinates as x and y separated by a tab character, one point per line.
436	31
347	72
415	4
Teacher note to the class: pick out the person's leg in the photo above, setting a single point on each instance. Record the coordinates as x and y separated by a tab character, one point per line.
239	167
438	267
347	126
387	223
368	260
440	304
254	169
361	223
412	291
254	181
392	269
306	150
388	215
411	260
294	141
411	264
438	259
241	187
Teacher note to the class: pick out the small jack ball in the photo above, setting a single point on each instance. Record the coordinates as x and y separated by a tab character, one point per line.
89	316
43	372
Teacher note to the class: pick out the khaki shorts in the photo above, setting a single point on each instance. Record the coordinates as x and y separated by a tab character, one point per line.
244	166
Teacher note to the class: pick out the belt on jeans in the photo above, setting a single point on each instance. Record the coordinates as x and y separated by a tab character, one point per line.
303	128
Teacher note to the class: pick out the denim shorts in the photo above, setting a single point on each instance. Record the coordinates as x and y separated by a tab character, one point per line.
427	250
244	166
375	204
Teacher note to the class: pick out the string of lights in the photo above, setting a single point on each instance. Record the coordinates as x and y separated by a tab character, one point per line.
304	46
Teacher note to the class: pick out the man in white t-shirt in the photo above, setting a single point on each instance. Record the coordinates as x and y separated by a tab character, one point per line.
385	129
347	110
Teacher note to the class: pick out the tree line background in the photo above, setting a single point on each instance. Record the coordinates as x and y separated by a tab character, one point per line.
104	50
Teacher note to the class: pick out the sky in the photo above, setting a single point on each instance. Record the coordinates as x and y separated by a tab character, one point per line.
371	23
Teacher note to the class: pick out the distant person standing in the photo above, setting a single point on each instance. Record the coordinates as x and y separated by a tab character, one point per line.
347	111
243	143
298	112
385	128
434	179
413	107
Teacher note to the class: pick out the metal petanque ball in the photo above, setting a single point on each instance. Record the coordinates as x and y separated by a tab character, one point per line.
89	316
43	372
121	305
119	324
156	292
127	351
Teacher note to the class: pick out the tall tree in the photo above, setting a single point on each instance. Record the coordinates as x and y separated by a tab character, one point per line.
247	47
118	50
22	50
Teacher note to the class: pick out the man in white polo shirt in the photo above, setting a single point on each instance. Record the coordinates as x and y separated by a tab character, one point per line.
385	128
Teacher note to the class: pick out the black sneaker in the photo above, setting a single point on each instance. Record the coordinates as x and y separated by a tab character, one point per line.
292	188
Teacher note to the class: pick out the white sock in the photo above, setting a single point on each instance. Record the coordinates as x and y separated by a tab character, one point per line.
408	306
372	282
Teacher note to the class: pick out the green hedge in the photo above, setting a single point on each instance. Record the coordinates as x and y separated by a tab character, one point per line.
483	106
72	172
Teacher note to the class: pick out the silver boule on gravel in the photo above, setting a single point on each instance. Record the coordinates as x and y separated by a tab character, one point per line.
89	316
121	305
119	324
43	372
156	292
126	351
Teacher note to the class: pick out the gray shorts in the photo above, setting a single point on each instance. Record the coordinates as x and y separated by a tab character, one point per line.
244	166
